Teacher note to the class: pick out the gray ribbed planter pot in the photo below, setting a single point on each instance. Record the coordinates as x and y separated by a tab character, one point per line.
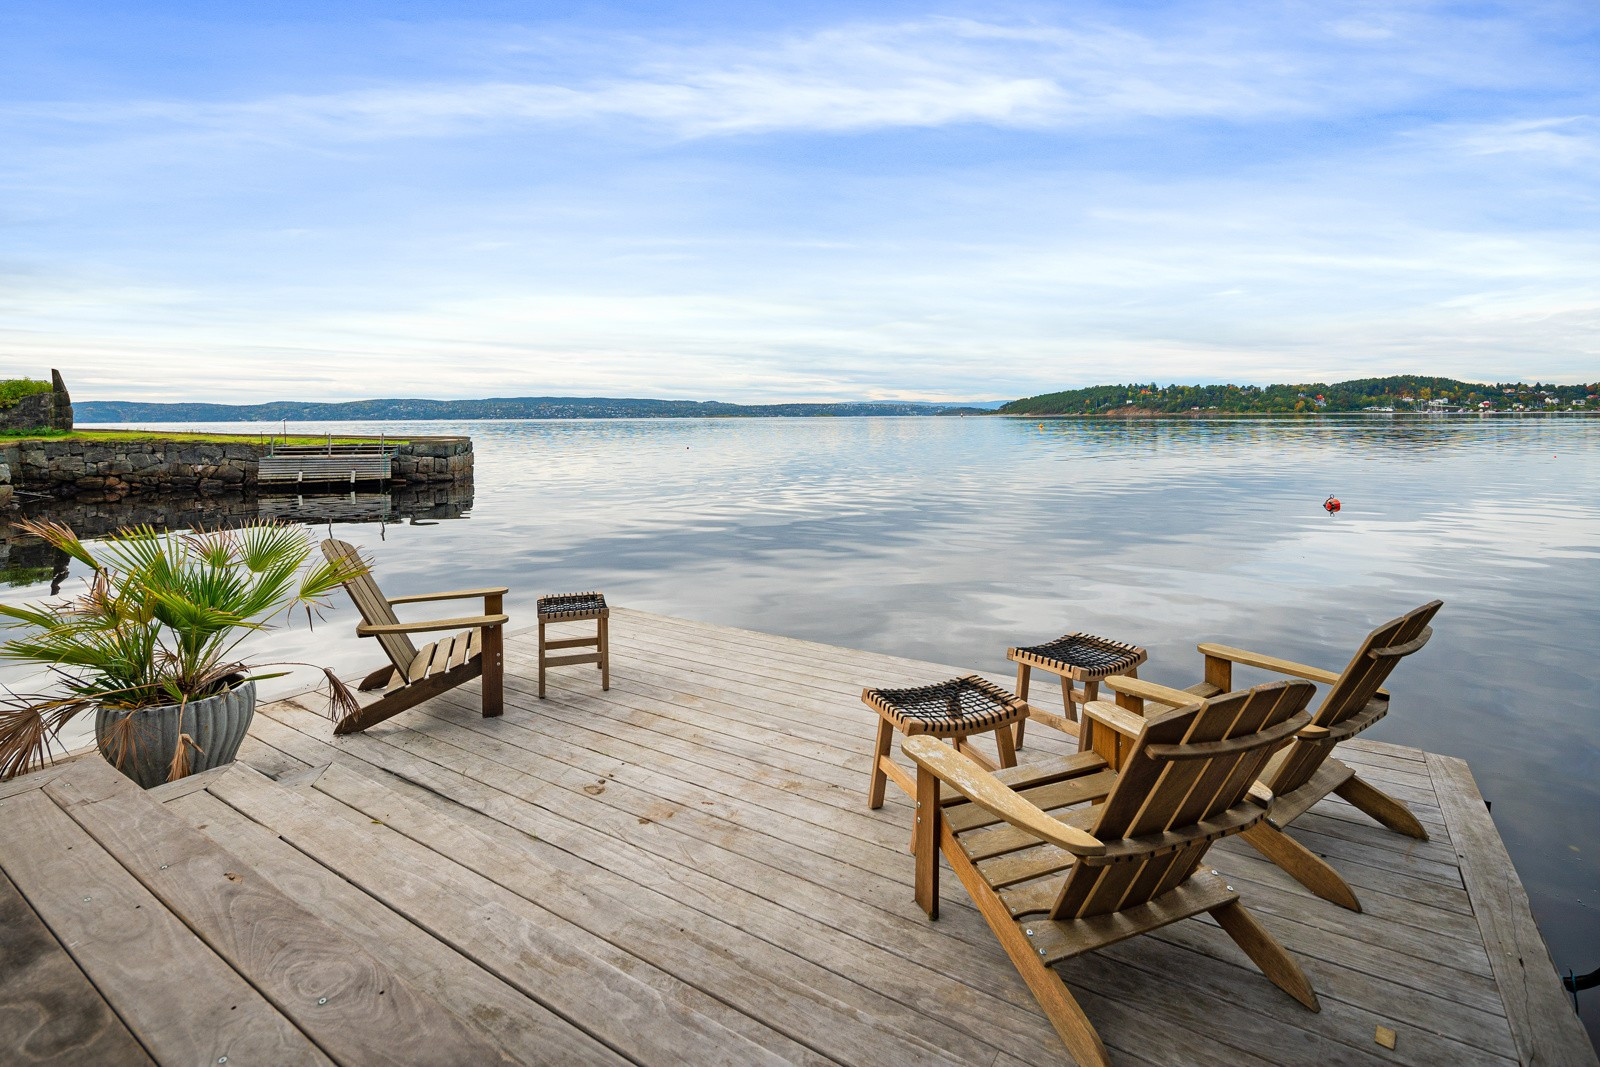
217	724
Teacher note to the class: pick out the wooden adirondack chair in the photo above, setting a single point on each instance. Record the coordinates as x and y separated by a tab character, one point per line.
1054	887
1306	771
415	674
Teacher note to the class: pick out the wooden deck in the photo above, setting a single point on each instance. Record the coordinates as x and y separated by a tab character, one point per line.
684	870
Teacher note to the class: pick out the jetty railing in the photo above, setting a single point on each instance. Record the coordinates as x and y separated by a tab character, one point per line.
333	462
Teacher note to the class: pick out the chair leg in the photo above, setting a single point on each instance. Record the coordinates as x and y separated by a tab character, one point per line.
1024	672
494	667
1382	807
605	653
1274	961
1303	865
925	842
541	660
1071	1024
377	679
879	779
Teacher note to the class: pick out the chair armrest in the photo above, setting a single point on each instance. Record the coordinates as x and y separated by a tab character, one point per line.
1269	663
1129	724
455	594
985	790
1161	694
468	623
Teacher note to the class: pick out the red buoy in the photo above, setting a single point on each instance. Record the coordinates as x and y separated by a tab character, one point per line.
1331	504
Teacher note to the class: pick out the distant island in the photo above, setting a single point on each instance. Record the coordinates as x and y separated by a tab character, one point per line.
513	407
1397	393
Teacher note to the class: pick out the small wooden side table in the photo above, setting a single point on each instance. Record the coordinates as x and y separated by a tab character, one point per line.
956	709
1077	657
571	607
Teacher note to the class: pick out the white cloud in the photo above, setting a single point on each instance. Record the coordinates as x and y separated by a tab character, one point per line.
856	77
1566	140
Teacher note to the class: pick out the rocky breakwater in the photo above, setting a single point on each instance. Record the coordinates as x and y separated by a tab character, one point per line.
433	460
111	469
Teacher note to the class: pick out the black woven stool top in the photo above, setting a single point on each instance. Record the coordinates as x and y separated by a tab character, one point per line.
571	606
958	706
1081	656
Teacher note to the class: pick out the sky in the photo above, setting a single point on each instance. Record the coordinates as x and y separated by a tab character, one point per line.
826	201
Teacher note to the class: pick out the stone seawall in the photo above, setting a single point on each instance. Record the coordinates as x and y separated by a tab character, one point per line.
114	469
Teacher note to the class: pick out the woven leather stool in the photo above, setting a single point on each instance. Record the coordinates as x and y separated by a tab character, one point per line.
570	607
956	709
1075	658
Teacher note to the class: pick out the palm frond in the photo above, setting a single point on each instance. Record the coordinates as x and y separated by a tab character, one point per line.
320	579
58	535
266	544
190	617
22	615
142	550
218	548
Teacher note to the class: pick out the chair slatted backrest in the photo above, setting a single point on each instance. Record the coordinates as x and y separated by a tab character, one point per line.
1379	654
1178	775
372	604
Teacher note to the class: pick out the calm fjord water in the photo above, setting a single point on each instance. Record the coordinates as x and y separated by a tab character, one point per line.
951	538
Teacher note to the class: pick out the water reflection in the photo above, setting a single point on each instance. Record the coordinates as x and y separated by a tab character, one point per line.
92	519
949	539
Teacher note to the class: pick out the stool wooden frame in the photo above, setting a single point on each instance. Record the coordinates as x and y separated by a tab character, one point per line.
549	609
1072	698
1009	711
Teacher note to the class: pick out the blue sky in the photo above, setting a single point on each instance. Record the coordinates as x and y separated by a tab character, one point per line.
246	202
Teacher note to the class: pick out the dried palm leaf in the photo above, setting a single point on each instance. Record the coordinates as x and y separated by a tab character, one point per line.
121	742
182	763
342	701
29	730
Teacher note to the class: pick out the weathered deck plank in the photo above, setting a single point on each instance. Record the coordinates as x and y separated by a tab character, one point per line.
333	991
576	975
49	1011
525	1029
1544	1030
184	1004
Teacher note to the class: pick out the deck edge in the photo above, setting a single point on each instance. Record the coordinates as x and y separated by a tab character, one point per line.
1543	1025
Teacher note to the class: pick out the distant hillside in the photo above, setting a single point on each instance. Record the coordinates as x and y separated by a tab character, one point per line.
1402	392
515	407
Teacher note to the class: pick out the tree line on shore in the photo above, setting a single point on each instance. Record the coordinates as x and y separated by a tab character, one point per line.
1401	392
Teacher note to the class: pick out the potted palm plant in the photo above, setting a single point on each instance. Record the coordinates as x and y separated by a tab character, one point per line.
152	645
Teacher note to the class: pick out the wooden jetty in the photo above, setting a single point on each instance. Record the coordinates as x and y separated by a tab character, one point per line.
333	463
684	870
